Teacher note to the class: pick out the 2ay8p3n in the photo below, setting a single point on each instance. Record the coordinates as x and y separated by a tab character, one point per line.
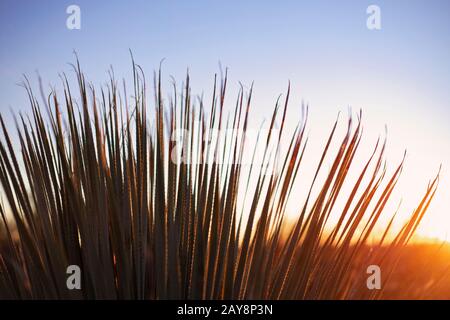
243	309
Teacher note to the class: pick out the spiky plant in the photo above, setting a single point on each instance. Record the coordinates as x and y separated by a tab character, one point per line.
103	186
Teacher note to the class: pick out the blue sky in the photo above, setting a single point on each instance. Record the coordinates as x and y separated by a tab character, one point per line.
398	75
317	40
265	41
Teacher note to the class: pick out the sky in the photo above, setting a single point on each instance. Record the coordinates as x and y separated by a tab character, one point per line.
398	75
